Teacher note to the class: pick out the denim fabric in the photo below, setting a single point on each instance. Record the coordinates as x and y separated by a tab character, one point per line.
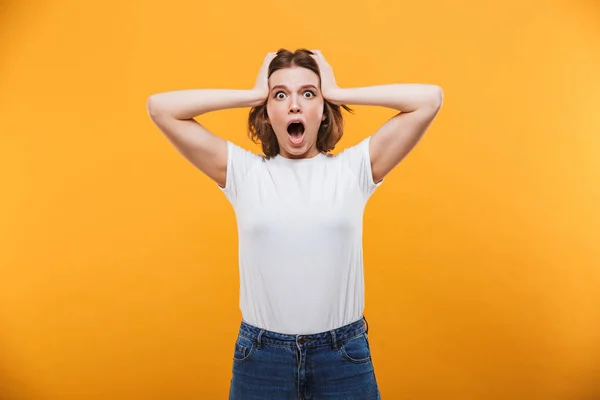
330	365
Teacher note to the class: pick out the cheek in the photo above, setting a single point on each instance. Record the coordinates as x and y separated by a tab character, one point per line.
272	112
277	118
274	109
316	111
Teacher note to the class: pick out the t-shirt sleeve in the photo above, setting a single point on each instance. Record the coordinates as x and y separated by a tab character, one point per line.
239	163
358	160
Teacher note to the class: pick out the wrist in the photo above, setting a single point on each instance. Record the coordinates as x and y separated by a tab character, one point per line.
334	95
256	97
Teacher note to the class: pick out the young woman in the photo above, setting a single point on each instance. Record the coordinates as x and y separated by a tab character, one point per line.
299	212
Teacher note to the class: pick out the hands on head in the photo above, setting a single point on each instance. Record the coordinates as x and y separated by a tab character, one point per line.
328	83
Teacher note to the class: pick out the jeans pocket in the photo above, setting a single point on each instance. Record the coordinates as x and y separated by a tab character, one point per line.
356	350
244	348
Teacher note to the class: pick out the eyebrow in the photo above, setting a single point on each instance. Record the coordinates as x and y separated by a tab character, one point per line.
286	88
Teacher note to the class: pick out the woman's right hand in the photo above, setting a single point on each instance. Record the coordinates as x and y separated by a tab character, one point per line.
261	87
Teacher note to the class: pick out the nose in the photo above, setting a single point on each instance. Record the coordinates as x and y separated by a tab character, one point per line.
294	108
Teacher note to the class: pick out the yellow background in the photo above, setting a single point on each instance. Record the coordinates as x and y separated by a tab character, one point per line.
118	259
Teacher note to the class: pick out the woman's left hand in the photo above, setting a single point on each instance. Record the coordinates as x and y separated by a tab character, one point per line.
328	84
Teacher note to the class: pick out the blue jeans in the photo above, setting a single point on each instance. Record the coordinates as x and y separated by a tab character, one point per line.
329	365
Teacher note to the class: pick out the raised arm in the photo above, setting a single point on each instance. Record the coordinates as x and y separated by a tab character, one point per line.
418	104
173	113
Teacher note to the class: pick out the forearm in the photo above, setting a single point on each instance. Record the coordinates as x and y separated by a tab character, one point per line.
187	104
405	97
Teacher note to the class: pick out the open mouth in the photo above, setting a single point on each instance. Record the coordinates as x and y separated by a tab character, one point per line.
296	131
296	128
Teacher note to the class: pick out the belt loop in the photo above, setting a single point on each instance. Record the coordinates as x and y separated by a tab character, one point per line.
259	344
367	322
333	339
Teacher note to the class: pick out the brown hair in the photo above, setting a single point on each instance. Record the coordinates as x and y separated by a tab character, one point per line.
331	129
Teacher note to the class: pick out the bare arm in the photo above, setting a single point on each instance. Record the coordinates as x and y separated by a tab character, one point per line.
187	104
419	105
173	113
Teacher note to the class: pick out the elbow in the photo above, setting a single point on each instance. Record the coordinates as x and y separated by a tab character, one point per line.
438	96
152	106
434	99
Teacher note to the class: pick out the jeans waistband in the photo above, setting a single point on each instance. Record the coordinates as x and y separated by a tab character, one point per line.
332	337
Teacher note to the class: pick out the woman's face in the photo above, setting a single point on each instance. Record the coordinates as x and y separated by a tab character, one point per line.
295	95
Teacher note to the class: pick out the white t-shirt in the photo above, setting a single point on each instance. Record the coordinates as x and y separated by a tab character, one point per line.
300	237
